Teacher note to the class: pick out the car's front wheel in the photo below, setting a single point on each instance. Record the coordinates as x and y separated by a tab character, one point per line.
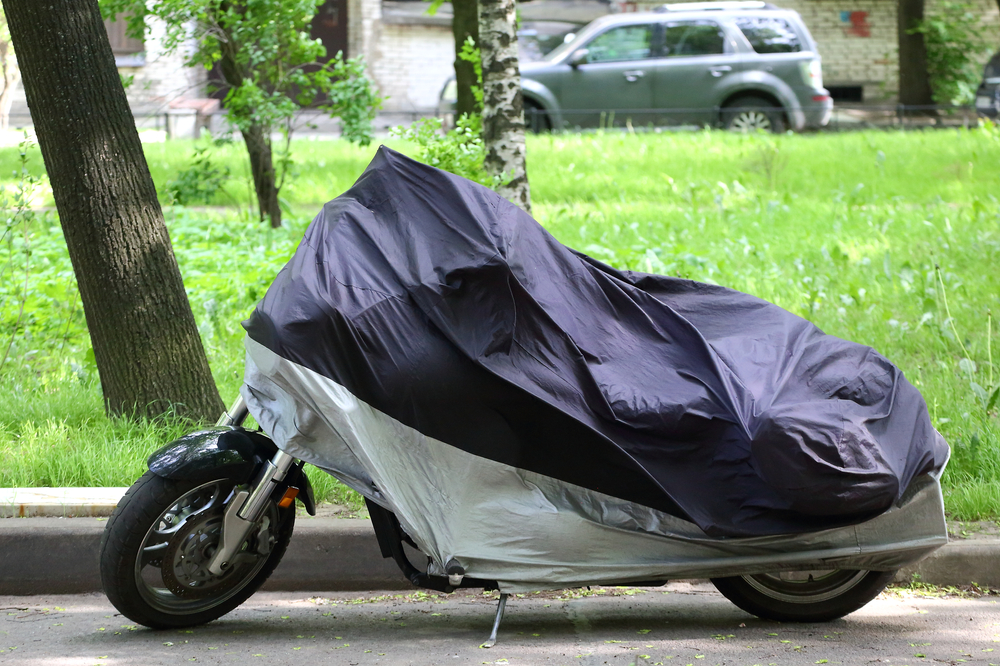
753	114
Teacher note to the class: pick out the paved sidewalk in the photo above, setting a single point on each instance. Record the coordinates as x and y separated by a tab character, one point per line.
678	624
48	551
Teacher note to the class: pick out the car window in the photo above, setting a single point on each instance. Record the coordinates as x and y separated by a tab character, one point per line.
693	38
768	34
630	42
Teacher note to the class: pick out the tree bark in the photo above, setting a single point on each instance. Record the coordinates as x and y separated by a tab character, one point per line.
914	81
258	143
148	351
503	105
465	24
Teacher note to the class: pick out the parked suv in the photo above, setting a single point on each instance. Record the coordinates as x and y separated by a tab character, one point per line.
741	65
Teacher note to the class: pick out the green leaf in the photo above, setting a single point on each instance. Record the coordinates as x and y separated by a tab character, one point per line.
980	393
993	398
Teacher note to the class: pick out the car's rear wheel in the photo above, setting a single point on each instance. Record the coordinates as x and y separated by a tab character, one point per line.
804	596
753	114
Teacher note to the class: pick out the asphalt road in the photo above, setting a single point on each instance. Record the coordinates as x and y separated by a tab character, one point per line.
682	624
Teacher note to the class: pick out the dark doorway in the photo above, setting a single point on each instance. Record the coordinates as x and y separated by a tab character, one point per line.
329	25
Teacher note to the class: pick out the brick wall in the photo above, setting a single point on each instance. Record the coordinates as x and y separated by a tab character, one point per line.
163	77
412	64
862	49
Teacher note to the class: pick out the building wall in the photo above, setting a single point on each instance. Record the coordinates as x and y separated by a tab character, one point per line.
162	77
413	65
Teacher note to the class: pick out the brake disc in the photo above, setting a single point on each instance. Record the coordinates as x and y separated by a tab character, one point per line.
185	561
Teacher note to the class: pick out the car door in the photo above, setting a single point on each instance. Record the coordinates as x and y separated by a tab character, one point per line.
613	83
696	57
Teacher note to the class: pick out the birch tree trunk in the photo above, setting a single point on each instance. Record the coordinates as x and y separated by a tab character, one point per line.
146	343
503	105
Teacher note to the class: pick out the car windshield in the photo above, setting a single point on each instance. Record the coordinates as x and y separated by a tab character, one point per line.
535	39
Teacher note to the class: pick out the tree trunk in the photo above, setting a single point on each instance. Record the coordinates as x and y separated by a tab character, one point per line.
503	105
258	142
914	82
262	168
465	24
148	351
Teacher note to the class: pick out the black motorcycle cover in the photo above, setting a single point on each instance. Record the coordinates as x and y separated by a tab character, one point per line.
449	309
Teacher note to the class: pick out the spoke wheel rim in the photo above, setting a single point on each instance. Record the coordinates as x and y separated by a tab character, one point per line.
805	587
190	525
750	121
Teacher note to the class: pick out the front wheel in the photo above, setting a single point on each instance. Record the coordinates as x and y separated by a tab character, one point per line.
804	596
160	540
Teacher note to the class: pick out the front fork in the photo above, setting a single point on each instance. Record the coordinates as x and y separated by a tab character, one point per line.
247	506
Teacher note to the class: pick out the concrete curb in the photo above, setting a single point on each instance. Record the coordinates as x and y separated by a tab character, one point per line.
60	556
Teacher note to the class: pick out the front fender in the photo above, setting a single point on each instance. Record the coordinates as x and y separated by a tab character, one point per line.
232	452
541	95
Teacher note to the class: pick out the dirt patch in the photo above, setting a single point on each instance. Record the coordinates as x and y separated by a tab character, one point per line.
973	529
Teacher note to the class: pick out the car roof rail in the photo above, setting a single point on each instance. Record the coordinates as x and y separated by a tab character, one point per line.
716	6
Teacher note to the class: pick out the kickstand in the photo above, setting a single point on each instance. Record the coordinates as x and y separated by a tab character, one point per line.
492	640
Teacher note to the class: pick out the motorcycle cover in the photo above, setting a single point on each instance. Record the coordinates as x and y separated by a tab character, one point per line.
434	347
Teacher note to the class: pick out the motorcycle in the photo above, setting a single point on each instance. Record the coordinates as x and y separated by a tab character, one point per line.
528	418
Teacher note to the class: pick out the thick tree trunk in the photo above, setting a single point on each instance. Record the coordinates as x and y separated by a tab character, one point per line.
914	82
146	343
465	24
258	143
503	105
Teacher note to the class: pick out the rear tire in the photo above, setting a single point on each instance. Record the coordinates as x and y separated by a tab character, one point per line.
752	114
159	540
816	596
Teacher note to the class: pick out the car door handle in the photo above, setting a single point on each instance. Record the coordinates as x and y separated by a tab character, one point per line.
633	75
720	70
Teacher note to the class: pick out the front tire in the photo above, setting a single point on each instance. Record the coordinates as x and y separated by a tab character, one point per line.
804	596
158	543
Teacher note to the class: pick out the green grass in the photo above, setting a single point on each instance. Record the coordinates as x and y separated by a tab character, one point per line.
844	229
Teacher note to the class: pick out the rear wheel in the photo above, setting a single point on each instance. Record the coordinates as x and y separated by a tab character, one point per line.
752	114
160	540
804	596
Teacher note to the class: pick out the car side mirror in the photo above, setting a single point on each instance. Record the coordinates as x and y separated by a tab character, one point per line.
579	58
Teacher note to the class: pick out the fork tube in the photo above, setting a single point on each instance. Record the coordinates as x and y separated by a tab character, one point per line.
235	415
274	471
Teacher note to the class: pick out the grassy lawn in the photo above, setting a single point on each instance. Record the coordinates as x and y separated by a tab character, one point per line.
888	239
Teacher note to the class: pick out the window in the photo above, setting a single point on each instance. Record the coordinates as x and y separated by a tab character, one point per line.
121	44
770	35
693	38
632	42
